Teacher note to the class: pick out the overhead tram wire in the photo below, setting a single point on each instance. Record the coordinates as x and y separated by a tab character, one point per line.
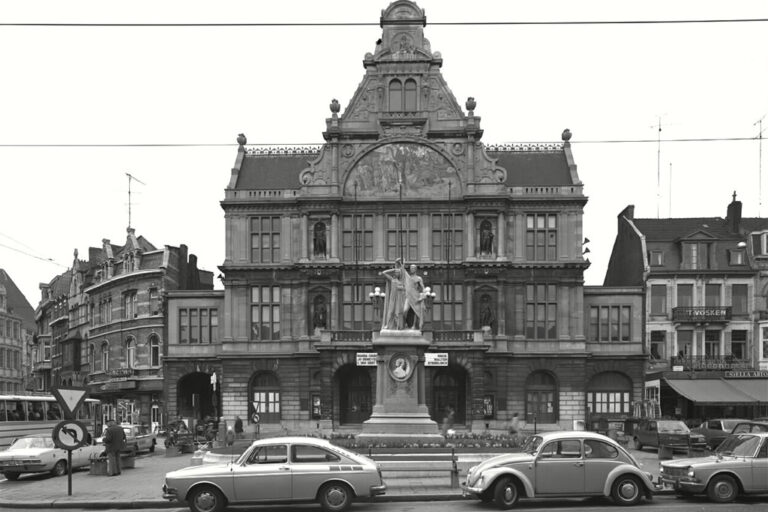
376	24
317	143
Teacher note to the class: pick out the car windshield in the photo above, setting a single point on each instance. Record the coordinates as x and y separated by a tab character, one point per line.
676	427
739	446
532	444
31	442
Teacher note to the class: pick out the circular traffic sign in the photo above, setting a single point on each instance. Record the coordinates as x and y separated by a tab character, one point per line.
70	434
255	417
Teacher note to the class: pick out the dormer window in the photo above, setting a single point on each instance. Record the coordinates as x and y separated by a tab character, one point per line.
656	258
696	255
737	257
760	244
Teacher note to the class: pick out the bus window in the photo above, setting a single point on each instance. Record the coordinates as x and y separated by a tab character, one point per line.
54	413
36	411
18	410
3	415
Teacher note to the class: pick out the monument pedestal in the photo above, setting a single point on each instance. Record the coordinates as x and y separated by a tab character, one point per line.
400	414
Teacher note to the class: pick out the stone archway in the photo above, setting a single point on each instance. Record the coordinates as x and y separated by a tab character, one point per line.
354	391
196	397
449	389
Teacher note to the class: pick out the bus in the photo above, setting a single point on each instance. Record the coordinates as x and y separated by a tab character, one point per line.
21	415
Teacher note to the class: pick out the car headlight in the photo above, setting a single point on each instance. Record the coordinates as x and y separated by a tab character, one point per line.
661	469
691	473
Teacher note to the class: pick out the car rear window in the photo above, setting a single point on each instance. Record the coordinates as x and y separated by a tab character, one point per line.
303	454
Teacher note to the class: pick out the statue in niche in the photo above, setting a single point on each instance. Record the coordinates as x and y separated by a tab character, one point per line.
319	316
486	238
487	317
318	240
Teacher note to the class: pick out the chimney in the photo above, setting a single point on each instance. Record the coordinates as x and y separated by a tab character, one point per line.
733	217
628	212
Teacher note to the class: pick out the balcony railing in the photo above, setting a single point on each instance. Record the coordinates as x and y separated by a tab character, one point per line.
453	336
711	363
702	314
351	336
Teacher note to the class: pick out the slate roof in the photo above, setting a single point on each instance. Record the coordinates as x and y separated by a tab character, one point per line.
17	304
676	228
524	168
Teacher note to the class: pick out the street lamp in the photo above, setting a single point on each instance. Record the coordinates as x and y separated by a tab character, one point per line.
429	298
377	298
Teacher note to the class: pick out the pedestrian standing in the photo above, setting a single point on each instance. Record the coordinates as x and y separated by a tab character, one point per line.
238	427
230	436
114	441
514	425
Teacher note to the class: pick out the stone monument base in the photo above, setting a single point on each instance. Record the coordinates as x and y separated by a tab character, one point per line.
404	428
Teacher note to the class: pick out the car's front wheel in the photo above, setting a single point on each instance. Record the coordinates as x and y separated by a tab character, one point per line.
627	490
206	498
335	497
505	493
722	489
12	476
60	468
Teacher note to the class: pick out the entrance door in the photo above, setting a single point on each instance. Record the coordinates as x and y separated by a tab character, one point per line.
354	395
449	391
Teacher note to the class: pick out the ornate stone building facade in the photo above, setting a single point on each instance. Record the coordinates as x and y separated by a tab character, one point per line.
495	232
16	329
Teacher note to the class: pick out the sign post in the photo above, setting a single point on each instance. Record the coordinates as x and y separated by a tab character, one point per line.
70	434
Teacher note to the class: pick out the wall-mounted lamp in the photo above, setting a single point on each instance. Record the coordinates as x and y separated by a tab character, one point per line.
741	244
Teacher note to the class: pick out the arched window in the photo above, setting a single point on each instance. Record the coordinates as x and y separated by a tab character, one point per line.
265	398
130	352
541	403
410	95
154	350
105	356
395	96
609	393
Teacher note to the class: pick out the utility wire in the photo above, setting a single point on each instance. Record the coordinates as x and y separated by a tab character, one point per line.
369	24
49	260
317	143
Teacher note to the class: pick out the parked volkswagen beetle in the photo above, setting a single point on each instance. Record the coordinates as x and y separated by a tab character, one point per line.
561	464
279	470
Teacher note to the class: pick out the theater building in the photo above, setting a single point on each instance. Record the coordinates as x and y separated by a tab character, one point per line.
495	232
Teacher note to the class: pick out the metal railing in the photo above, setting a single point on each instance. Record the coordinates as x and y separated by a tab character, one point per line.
728	362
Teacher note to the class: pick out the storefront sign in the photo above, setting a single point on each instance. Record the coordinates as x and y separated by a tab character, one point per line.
120	372
436	359
118	385
747	374
367	358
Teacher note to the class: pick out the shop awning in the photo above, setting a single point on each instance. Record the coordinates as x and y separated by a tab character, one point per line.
712	391
756	388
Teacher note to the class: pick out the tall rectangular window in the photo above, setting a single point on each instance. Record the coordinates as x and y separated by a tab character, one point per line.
214	326
403	237
541	311
357	238
711	343
447	310
739	299
265	313
447	237
194	326
685	295
658	299
130	305
739	344
183	326
205	327
541	237
356	309
685	343
696	255
658	344
712	295
265	239
154	302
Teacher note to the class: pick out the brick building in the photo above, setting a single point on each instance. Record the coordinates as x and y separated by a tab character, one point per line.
16	330
496	232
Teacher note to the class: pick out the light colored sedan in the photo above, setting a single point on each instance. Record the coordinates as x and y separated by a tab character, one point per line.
738	466
37	454
561	464
279	470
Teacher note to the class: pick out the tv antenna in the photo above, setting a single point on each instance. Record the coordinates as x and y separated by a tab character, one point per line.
130	179
759	124
658	167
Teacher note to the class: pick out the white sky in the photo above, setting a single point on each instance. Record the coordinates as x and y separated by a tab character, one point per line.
89	85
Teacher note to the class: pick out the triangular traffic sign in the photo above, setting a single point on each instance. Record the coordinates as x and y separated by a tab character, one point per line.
69	399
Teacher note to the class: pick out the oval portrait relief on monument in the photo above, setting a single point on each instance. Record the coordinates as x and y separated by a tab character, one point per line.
400	367
412	169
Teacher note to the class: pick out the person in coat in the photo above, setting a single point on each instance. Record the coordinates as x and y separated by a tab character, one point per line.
114	441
